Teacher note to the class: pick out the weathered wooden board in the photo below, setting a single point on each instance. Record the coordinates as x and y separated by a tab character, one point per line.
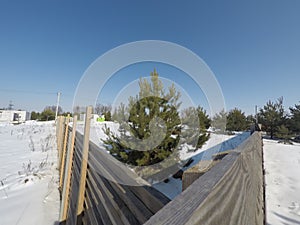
228	194
107	201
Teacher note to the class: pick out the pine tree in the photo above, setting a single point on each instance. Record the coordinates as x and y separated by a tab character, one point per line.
120	113
105	110
35	115
47	114
195	123
204	119
107	116
150	131
236	120
283	133
271	116
250	121
219	121
294	123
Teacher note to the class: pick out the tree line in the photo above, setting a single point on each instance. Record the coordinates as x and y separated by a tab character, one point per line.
279	123
135	124
48	113
173	127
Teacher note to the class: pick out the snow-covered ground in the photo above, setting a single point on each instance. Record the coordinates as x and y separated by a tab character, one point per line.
96	133
28	175
282	169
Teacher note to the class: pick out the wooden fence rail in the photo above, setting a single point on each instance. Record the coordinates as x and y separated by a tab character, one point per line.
98	189
231	193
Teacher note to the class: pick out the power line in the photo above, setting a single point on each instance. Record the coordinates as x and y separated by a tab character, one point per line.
27	91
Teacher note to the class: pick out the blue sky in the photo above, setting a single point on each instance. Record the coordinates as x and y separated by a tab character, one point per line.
252	47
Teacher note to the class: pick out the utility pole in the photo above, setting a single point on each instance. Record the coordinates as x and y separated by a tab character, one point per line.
57	104
256	116
10	106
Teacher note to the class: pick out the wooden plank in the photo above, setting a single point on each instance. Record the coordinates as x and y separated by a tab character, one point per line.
193	173
136	207
67	183
141	201
74	188
183	206
110	167
98	202
151	198
64	149
85	152
229	193
59	139
90	216
243	199
71	213
109	202
103	170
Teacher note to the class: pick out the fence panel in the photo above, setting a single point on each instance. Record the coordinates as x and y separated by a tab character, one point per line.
229	193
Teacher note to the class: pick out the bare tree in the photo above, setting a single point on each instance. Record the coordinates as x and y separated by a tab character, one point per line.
101	109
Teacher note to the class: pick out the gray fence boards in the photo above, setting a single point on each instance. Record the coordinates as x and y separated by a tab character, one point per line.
107	201
231	193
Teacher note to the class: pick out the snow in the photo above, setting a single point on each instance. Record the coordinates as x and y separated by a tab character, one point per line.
28	175
282	177
216	143
29	178
96	133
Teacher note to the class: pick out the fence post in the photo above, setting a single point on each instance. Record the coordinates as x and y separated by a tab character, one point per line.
57	133
85	153
59	139
64	148
67	180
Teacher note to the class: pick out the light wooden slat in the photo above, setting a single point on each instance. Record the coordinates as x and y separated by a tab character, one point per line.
67	183
60	139
84	160
64	149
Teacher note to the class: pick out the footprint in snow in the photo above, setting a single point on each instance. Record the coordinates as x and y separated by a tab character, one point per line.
277	181
295	208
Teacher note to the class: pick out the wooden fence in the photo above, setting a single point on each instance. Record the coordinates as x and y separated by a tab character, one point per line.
231	193
91	192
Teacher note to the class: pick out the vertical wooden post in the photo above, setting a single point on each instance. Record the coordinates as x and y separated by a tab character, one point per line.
57	129
85	153
64	147
59	140
67	180
57	132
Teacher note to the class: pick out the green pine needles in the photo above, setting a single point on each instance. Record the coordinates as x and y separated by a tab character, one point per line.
150	126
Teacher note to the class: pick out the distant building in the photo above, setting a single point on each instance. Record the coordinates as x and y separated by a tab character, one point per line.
14	116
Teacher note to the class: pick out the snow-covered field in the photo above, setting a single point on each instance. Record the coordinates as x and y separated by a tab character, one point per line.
29	178
28	174
97	133
282	169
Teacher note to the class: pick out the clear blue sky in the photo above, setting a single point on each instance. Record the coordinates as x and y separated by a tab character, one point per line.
253	47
